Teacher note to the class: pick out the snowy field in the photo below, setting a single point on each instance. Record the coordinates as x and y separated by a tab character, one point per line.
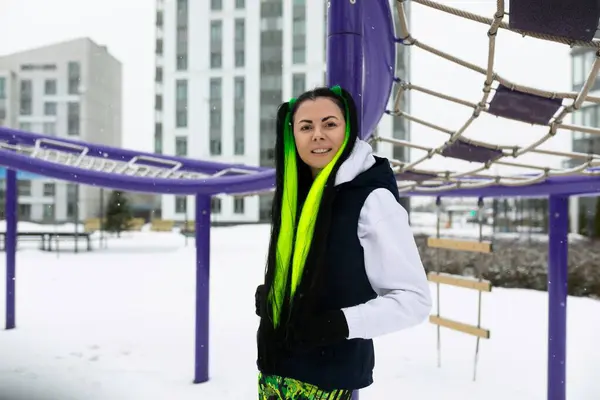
117	324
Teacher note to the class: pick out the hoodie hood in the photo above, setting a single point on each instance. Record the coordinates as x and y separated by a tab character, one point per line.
363	168
360	160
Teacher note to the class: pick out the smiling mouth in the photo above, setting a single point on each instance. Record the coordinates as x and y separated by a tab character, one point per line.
320	151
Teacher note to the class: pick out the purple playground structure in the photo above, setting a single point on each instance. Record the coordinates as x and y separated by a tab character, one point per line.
361	58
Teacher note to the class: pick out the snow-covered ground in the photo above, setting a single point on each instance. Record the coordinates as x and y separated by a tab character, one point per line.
118	324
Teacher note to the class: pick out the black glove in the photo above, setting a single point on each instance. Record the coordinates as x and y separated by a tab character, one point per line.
319	330
260	302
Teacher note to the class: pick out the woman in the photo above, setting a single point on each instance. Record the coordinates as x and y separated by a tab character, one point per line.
342	266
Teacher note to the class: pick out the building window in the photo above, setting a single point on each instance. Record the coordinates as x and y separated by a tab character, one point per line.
588	116
578	69
582	65
238	205
239	115
49	189
216	44
298	56
180	204
25	211
182	35
298	84
159	18
159	46
158	103
240	34
158	138
49	108
2	87
73	119
24	188
240	4
49	128
38	67
181	145
48	212
25	126
71	208
216	5
181	103
158	75
182	62
26	106
74	77
271	71
50	87
215	205
215	124
72	198
299	32
265	204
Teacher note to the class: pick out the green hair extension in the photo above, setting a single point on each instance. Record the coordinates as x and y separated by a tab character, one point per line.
295	236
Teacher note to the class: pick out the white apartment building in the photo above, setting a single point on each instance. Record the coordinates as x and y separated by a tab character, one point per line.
222	68
582	209
72	90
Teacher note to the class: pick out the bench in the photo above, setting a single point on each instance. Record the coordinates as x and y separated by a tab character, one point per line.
47	238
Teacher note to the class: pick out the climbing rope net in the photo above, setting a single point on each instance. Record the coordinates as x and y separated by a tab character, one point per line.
511	100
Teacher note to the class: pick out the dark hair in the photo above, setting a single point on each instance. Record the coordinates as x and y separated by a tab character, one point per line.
309	287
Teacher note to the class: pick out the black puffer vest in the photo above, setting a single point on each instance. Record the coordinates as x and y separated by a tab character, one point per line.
348	364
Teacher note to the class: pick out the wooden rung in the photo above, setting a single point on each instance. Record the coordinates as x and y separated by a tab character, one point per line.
463	245
459	326
460	281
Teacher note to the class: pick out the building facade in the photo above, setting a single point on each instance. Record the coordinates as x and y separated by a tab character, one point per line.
70	89
583	208
222	69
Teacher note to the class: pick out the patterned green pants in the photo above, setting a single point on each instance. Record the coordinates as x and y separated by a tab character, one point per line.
271	387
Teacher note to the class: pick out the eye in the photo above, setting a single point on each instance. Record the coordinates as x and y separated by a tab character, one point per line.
330	124
304	127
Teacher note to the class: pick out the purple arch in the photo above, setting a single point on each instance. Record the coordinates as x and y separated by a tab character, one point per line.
209	186
379	60
361	44
16	137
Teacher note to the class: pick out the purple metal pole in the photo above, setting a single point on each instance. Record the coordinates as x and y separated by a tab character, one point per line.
558	247
202	225
345	55
345	49
10	246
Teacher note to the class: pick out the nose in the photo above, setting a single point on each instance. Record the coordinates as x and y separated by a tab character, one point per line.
317	135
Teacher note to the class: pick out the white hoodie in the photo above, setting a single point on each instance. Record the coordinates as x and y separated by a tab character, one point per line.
392	260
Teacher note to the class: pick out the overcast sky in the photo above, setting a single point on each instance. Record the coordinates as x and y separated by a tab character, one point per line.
127	28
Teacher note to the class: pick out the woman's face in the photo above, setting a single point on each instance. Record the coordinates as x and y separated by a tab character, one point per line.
319	130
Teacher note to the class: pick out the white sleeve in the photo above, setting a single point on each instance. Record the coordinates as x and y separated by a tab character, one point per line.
394	269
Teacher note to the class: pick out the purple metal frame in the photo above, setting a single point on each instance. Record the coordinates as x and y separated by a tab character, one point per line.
558	249
224	184
202	225
554	186
112	153
353	65
10	246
